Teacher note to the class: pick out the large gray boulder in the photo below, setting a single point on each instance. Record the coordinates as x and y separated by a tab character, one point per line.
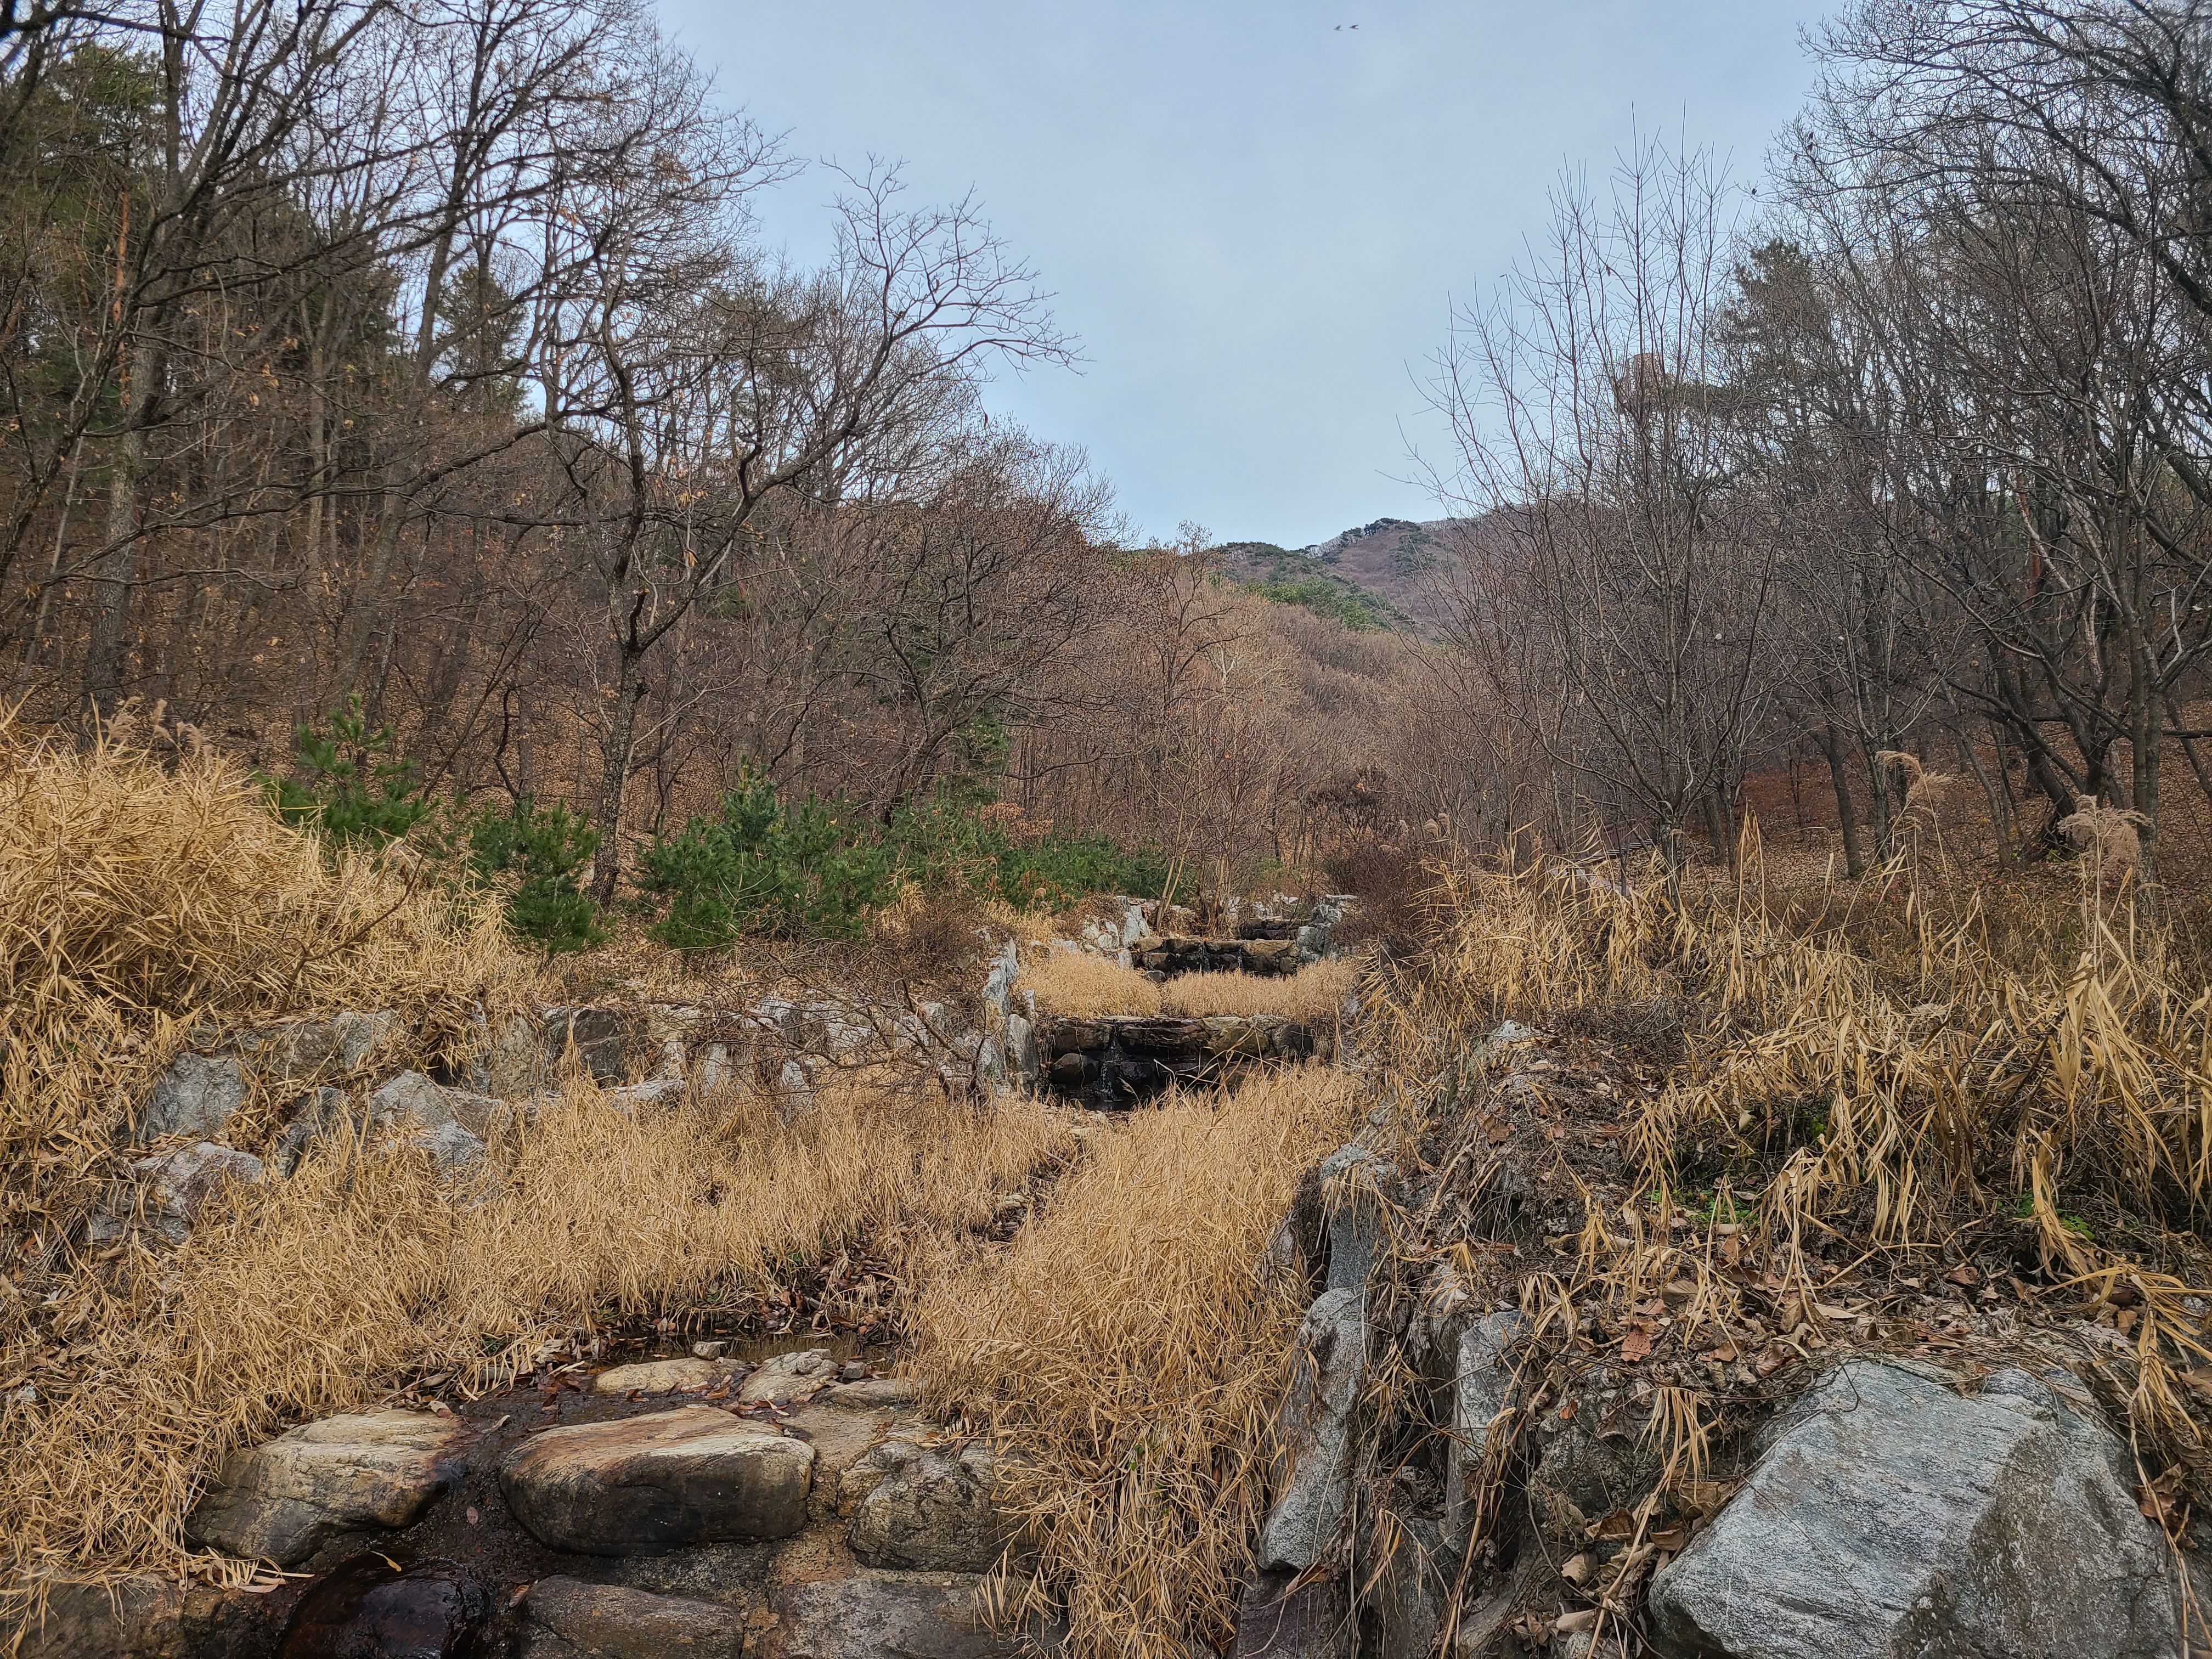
568	1618
1357	1187
283	1501
693	1475
1892	1517
199	1095
887	1615
1330	1364
412	1099
1482	1389
922	1504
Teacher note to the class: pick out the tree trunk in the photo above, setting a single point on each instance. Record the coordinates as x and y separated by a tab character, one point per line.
614	774
1847	811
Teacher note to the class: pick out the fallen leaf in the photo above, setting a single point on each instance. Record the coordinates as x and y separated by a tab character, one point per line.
1964	1273
1726	1354
1580	1619
1619	1525
1578	1569
1636	1344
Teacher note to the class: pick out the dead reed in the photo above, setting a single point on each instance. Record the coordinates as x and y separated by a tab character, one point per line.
145	893
1088	986
1127	1345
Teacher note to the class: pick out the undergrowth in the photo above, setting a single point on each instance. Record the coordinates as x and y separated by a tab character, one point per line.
1128	1347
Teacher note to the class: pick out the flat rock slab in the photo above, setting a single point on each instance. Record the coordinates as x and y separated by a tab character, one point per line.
1893	1518
667	1377
568	1618
693	1475
887	1615
283	1501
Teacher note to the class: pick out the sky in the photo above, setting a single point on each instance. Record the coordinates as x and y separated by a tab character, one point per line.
1253	217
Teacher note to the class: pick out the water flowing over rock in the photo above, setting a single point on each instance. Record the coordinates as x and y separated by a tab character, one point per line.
692	1475
283	1501
1890	1515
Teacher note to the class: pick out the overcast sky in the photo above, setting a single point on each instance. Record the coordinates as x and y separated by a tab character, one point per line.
1253	219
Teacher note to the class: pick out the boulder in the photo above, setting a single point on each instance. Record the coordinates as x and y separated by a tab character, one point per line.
922	1504
789	1377
887	1615
693	1475
873	1392
1316	1427
199	1095
413	1098
596	1034
1482	1388
1357	1186
567	1618
666	1376
137	1618
452	1150
180	1184
313	1048
1891	1516
283	1501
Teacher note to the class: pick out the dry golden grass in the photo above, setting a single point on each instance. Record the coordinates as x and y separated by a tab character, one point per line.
314	1294
1128	1343
1859	1066
142	894
145	891
1083	986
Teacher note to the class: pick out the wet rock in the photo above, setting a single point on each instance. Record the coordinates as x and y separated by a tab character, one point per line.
668	1376
138	1618
196	1096
1331	1365
886	1616
283	1501
1274	1621
1890	1515
919	1504
362	1608
789	1377
567	1618
692	1475
1482	1388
